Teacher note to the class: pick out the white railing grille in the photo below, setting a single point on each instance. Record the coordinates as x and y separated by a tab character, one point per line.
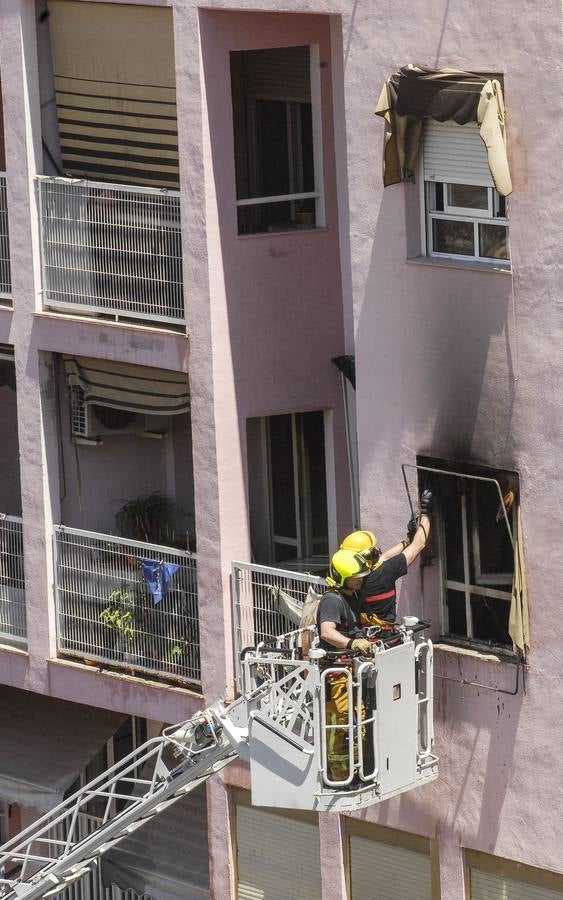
261	602
12	583
112	249
5	273
107	612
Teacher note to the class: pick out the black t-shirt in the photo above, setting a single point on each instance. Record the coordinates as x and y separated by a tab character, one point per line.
343	611
378	596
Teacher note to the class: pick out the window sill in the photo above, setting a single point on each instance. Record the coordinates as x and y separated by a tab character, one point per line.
472	265
500	656
323	229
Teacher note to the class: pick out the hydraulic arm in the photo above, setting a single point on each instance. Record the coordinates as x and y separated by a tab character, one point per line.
280	726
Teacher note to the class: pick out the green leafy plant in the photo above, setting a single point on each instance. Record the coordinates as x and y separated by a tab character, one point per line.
175	652
116	617
145	518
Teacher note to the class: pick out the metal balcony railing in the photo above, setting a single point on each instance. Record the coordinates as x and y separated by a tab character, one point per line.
111	248
114	606
13	627
5	273
266	602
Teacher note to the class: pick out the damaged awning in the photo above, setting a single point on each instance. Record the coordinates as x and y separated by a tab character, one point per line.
137	389
45	745
414	94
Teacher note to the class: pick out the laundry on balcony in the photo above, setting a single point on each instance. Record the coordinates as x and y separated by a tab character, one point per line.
157	574
138	389
415	94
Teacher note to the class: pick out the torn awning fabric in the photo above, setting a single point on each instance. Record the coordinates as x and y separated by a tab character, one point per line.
139	389
415	93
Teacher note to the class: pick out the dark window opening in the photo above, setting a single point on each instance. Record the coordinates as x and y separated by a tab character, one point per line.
273	134
476	553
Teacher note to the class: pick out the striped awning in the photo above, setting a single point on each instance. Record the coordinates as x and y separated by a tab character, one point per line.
114	75
138	389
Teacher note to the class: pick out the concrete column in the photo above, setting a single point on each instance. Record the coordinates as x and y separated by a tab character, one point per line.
332	833
20	88
451	867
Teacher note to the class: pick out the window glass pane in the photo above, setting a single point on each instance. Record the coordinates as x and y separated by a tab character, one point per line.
273	134
468	195
435	190
457	624
283	552
451	509
493	241
314	476
490	620
450	236
282	475
495	554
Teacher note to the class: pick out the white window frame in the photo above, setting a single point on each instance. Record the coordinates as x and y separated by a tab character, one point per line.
316	113
458	214
468	586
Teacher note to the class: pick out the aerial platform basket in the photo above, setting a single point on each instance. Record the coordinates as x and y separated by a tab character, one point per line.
387	727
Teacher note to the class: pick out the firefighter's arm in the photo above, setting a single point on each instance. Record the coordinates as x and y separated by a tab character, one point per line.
393	551
330	633
419	541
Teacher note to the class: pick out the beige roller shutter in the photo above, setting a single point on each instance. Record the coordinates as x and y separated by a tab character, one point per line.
382	871
489	886
114	76
279	74
278	855
455	153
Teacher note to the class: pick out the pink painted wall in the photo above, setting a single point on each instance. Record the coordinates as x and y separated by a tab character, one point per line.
467	365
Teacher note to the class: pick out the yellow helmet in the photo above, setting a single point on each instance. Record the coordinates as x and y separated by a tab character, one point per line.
346	564
359	541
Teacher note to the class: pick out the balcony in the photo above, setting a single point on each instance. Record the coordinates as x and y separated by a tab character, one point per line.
266	602
5	273
127	604
13	629
111	250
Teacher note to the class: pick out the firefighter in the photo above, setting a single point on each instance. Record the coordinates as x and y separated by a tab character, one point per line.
339	629
378	605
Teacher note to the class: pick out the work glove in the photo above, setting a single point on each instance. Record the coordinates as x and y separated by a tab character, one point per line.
363	645
372	554
426	503
411	528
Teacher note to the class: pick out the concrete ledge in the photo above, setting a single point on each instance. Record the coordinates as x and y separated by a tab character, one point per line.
471	265
80	683
124	342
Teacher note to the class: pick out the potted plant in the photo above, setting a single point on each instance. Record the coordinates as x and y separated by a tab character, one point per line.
119	618
146	518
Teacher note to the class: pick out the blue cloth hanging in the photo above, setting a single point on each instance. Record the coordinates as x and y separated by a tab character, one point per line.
157	575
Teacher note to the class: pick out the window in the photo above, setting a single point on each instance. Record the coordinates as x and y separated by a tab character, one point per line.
398	862
288	488
475	550
277	139
493	878
466	218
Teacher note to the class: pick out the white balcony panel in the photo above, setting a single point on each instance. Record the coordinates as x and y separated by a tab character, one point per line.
111	249
13	627
107	611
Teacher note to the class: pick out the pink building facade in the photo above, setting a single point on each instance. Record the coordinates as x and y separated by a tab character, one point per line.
293	254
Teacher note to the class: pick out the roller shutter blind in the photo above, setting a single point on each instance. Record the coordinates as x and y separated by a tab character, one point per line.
488	886
455	153
278	855
114	76
381	871
279	74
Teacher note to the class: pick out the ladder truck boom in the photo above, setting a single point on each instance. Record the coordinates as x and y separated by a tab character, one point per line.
278	725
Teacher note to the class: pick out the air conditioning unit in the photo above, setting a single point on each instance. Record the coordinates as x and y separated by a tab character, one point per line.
93	421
